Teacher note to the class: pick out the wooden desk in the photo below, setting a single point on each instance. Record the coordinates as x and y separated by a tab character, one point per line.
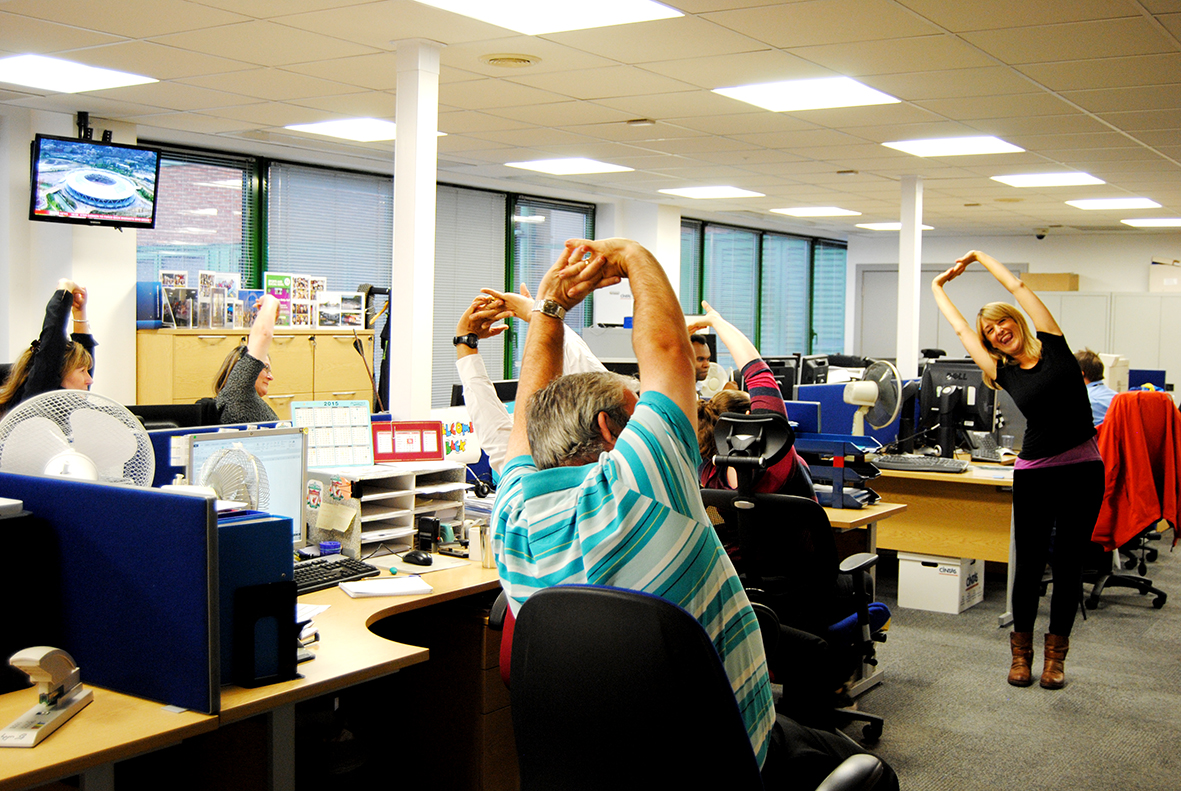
113	727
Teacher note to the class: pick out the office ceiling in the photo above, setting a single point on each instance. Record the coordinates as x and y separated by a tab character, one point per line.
1089	85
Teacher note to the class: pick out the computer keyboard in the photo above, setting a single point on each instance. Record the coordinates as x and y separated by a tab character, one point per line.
918	463
320	573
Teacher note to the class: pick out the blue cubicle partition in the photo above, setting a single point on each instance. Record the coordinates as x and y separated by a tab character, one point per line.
139	585
836	417
1138	377
167	467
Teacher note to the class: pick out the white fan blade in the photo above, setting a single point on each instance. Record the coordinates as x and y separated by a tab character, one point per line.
105	440
30	445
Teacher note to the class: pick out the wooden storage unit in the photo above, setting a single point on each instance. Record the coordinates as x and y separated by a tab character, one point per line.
178	366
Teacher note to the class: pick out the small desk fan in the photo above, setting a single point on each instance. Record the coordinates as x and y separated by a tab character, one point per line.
878	394
237	475
76	434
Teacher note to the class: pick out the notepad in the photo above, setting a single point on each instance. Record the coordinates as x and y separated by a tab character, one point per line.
395	586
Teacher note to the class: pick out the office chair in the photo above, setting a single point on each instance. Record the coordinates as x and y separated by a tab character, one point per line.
597	704
1140	441
788	560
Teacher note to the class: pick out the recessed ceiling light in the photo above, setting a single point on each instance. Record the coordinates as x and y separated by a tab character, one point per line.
819	94
63	76
569	166
887	226
954	146
537	17
1049	180
1099	204
1155	222
817	211
363	130
705	193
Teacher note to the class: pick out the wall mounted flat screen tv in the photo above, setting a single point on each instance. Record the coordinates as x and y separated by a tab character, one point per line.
93	183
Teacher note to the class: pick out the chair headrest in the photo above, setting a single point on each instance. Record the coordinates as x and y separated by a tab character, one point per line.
748	441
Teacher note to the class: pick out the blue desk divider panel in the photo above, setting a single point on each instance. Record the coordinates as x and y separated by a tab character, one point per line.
836	417
139	586
805	414
166	470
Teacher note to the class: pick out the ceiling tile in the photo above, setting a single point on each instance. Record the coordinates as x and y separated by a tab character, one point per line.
158	61
1021	105
366	104
742	123
379	25
264	43
1073	41
1107	100
274	114
25	35
743	68
189	122
175	96
274	85
823	22
265	9
664	39
925	53
602	83
1107	72
684	104
127	18
562	114
990	14
1148	119
486	94
378	72
954	83
621	132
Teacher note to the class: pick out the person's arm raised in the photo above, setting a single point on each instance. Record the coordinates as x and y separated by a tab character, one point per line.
262	332
1030	302
963	330
739	346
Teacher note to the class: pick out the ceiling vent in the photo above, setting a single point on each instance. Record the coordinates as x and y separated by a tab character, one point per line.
509	60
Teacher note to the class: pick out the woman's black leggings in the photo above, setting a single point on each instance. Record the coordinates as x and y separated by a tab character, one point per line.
1062	501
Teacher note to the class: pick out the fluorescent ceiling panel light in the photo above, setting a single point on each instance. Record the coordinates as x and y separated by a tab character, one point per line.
538	17
363	130
569	166
1155	222
954	146
1049	180
705	193
1100	204
817	211
819	94
63	76
887	226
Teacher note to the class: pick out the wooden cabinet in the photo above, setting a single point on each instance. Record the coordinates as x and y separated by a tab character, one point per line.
178	366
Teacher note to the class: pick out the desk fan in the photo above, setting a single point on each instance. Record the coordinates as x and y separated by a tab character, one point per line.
237	475
714	382
76	434
878	396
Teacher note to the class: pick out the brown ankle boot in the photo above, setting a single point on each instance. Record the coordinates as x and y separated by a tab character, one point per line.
1054	675
1021	644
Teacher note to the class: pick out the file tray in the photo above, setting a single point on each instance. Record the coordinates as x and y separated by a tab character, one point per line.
836	444
826	454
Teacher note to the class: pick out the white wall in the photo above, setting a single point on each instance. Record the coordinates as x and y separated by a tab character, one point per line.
35	255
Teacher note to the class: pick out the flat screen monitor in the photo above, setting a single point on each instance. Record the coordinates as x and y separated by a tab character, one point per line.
787	373
953	398
93	183
814	369
506	391
280	453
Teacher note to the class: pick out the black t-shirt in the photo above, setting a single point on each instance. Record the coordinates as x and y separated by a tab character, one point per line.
1053	399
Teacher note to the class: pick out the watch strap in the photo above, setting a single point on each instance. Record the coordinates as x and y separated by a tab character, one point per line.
549	307
471	339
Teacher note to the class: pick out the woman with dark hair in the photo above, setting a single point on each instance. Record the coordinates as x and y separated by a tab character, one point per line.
245	375
1058	479
787	476
53	361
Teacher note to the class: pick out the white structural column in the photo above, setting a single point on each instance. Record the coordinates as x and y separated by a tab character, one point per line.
412	293
910	256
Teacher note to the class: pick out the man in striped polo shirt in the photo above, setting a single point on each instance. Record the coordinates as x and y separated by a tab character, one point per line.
609	495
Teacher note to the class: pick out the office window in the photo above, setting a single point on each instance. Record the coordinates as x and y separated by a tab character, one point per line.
783	304
731	277
540	229
469	255
206	218
691	239
828	298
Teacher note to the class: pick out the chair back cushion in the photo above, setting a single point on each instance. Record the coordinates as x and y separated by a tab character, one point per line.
618	689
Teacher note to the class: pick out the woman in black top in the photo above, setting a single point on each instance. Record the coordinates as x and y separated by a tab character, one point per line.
53	361
1058	479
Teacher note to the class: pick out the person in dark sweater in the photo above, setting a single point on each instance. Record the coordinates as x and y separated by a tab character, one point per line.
245	375
53	361
1058	478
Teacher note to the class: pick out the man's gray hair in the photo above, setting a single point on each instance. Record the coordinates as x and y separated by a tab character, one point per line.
564	417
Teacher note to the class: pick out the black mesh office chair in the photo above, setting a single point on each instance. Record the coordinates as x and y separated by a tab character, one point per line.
788	560
624	690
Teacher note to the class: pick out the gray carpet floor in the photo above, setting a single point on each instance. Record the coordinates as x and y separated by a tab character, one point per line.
953	723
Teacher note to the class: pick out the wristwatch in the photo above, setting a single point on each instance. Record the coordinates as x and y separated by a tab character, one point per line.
471	339
549	307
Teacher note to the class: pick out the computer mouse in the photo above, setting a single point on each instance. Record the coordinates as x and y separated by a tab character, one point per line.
418	558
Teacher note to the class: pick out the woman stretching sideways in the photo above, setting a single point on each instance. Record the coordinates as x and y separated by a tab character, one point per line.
1058	477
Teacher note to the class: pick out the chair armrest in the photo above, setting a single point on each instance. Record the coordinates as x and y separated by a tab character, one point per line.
858	562
855	773
496	615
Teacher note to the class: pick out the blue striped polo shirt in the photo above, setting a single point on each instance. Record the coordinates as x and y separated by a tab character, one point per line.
635	520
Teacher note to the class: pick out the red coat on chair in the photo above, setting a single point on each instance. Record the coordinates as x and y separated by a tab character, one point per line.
1140	440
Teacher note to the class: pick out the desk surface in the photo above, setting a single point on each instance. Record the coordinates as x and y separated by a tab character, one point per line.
111	728
850	518
348	652
986	475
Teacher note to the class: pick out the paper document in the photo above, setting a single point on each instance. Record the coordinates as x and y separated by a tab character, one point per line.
391	586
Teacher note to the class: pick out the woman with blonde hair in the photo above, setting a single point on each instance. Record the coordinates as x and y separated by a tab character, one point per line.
1058	478
245	375
53	361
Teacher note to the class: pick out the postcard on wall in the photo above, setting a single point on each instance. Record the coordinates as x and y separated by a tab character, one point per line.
318	284
181	304
233	313
218	308
301	287
248	297
302	312
279	285
208	280
204	313
352	310
173	278
328	309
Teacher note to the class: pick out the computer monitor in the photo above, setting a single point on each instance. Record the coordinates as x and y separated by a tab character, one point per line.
953	397
280	453
158	416
506	391
787	373
814	369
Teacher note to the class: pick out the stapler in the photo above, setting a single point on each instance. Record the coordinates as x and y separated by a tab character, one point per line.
60	695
